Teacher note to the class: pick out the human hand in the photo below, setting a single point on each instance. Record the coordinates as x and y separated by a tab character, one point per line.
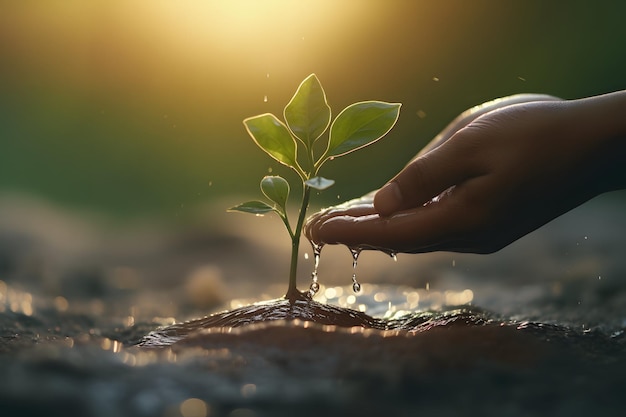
495	174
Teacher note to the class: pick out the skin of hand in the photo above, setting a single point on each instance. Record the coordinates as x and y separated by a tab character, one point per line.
495	174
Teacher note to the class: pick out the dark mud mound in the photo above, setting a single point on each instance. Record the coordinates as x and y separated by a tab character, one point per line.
529	331
310	358
305	324
307	358
310	312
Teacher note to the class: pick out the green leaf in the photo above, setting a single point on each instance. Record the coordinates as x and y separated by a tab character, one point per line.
254	207
319	183
359	125
276	189
274	138
308	112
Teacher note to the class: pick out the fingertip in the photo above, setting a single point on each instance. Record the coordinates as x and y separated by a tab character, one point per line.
334	230
310	226
388	199
324	233
349	230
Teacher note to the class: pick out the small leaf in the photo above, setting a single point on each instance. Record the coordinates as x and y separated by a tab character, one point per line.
319	183
276	189
254	207
308	112
359	125
274	138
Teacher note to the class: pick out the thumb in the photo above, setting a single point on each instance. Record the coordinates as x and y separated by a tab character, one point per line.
427	176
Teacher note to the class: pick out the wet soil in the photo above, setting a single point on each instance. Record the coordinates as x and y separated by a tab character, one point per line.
307	358
147	325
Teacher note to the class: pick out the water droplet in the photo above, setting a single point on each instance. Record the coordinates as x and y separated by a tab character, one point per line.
391	253
453	263
315	286
355	257
306	255
270	169
264	99
317	250
435	79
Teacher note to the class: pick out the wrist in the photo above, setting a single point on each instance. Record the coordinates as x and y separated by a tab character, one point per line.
601	121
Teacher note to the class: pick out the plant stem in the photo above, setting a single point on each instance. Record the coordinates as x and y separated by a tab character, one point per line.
292	291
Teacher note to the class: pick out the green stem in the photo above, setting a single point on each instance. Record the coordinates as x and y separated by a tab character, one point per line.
283	217
292	291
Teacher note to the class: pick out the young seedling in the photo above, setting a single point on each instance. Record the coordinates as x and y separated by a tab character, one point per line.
307	117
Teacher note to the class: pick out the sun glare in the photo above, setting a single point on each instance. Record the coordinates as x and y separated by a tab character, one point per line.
153	46
249	23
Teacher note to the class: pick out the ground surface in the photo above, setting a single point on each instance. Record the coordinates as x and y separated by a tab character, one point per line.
536	329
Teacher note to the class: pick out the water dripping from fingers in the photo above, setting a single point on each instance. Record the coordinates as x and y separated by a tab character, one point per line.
315	286
356	287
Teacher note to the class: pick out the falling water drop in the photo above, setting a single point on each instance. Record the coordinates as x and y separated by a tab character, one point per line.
394	256
264	99
356	287
317	250
315	286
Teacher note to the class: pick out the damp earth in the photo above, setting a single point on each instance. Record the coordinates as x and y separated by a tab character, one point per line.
187	320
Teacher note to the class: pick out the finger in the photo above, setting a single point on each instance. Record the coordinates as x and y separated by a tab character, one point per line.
430	175
470	115
438	167
352	208
440	225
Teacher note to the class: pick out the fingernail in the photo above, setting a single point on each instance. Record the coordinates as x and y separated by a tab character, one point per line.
388	199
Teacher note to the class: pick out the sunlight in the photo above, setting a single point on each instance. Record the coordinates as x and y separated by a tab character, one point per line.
245	23
185	51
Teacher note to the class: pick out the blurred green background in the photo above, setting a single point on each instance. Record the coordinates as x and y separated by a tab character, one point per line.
133	108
